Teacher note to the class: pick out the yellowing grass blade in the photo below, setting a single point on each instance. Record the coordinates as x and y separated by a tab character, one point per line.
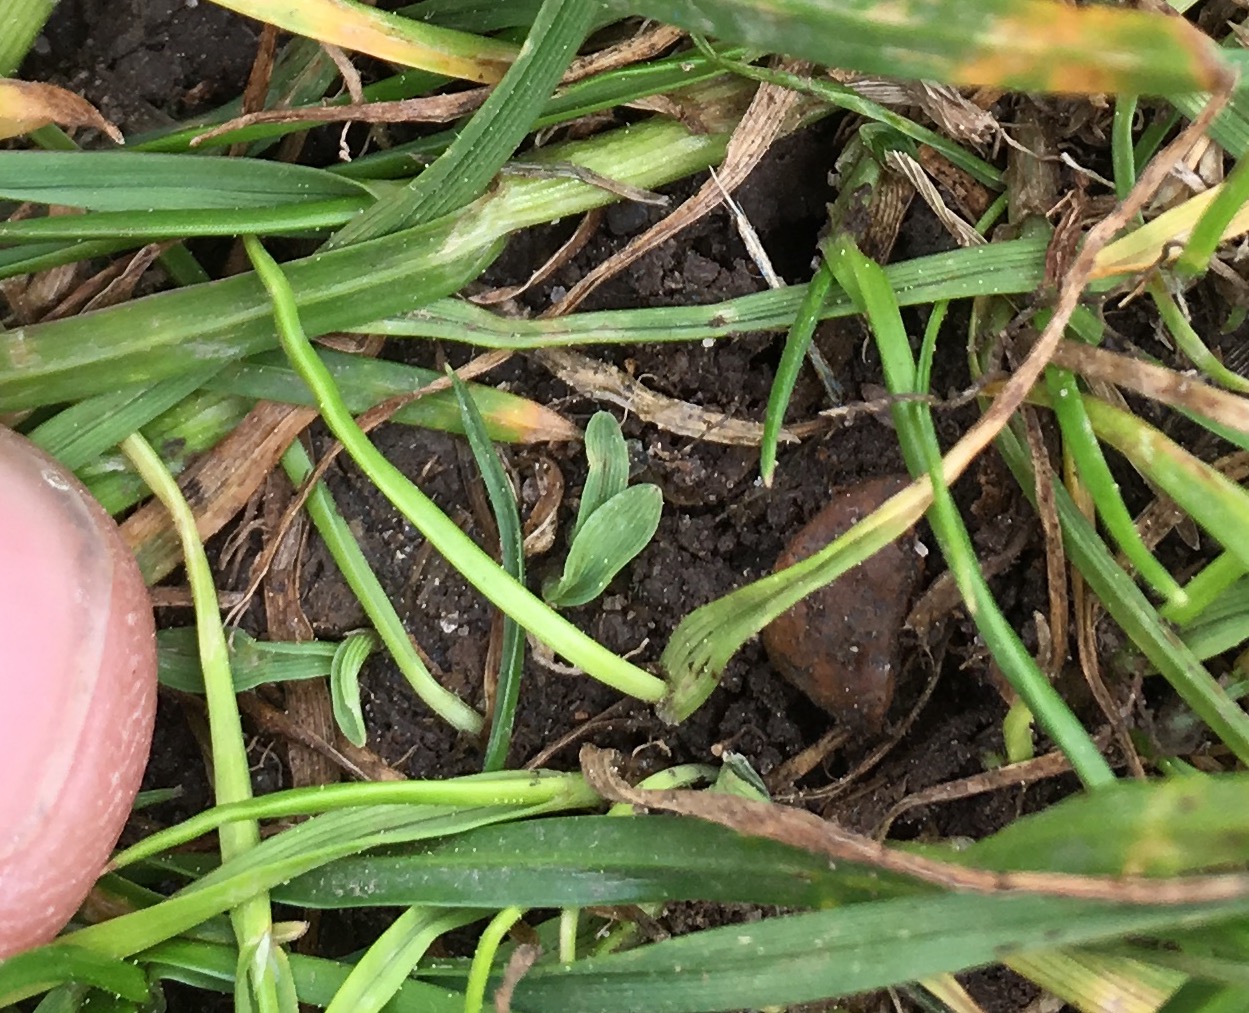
1163	238
27	106
1093	982
400	40
1028	45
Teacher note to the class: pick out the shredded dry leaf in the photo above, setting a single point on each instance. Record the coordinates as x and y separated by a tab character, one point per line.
29	105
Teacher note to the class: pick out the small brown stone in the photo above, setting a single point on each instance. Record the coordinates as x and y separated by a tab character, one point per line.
840	644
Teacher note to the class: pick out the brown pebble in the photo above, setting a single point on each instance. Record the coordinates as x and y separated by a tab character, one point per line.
840	644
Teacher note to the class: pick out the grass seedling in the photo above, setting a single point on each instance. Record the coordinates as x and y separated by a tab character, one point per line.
477	567
615	521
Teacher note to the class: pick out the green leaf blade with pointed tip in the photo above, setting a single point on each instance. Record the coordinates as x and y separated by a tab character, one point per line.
609	466
615	533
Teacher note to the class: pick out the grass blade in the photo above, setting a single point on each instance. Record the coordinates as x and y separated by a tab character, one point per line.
512	548
608	460
797	341
578	861
345	686
355	568
999	268
31	972
386	964
1134	613
807	957
923	456
252	918
1029	45
463	171
366	382
133	181
1079	440
386	36
67	360
1218	504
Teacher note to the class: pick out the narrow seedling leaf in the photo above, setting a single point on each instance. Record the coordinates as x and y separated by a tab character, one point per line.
345	685
512	553
29	105
612	535
608	457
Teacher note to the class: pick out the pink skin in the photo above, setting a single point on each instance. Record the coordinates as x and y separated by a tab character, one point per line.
77	692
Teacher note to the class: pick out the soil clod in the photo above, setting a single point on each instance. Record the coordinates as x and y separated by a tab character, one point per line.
841	644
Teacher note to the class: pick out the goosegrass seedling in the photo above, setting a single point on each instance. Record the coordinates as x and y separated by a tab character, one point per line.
615	521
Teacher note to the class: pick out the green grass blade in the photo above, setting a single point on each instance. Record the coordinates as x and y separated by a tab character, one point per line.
252	662
151	226
194	425
1079	440
483	957
355	568
1215	502
1134	613
1205	588
37	970
608	460
577	861
345	686
367	382
1207	234
1151	828
708	637
41	256
868	283
222	321
253	920
386	964
999	268
489	139
512	549
583	98
1123	155
504	788
1186	336
207	966
70	359
131	181
797	341
808	957
1195	996
23	20
283	857
1029	45
1222	625
79	434
388	37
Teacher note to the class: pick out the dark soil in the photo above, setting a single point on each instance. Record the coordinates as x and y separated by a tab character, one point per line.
721	528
